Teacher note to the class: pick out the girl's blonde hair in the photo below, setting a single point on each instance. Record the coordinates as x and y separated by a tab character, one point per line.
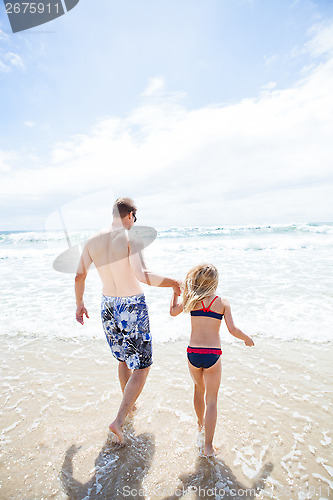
201	281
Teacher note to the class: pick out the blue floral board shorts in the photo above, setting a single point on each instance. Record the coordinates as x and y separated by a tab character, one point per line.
126	326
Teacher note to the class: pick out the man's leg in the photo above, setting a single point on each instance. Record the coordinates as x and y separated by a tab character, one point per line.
132	391
124	374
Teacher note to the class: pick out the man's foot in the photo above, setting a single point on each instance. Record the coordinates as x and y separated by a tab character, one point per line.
201	425
116	429
131	413
209	450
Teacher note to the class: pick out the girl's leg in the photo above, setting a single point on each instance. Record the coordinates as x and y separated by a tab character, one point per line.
199	392
212	379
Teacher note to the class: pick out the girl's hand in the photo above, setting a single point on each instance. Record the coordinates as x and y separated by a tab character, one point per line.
248	341
175	308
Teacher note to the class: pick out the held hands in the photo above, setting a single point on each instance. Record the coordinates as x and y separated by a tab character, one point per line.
80	311
177	287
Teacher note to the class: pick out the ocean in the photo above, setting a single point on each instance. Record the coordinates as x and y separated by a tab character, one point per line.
59	387
277	278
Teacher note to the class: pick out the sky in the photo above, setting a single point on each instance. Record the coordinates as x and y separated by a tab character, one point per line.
215	112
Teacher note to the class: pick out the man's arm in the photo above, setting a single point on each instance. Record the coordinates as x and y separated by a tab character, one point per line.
148	277
80	278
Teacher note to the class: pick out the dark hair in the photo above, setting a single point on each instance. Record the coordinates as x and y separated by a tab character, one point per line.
123	207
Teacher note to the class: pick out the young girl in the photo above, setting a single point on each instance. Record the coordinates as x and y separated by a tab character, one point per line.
204	351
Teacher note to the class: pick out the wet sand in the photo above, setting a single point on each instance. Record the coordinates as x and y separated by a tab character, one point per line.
274	430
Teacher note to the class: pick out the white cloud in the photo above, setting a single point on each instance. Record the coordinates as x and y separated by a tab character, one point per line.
3	67
155	86
3	35
10	60
29	124
269	86
14	60
5	158
270	60
321	42
265	159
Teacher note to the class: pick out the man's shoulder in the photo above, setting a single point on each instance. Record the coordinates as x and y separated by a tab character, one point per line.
106	234
136	242
109	244
96	238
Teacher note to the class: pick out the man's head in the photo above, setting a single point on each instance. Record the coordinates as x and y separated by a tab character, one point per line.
125	209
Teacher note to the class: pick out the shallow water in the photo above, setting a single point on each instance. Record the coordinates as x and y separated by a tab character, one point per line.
59	386
274	426
277	279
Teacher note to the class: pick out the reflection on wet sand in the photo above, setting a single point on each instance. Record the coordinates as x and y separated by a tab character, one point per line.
117	469
214	479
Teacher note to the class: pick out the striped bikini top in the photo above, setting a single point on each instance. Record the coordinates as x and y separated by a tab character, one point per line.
205	311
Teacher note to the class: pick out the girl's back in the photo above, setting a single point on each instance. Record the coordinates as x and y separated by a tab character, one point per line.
206	320
204	351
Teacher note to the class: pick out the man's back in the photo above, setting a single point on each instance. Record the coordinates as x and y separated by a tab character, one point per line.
117	255
110	250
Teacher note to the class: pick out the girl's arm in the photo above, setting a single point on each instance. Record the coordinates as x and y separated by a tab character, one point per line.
175	308
236	332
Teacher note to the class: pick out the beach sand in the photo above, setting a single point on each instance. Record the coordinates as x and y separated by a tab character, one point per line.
273	433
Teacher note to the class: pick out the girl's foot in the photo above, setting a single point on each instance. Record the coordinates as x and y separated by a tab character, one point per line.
200	439
209	450
114	427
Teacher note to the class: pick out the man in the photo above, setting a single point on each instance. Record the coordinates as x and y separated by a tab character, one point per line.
120	264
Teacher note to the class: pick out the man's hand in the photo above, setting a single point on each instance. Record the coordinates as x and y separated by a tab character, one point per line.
80	311
248	341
